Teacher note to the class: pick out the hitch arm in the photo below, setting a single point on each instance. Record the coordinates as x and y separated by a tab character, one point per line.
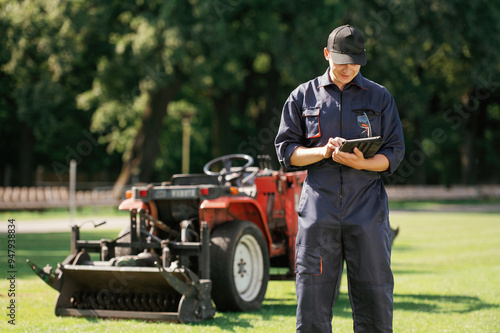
47	275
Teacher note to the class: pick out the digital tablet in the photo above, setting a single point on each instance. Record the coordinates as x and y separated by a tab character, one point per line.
368	146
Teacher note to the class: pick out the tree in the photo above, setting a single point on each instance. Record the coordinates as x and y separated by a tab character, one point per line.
52	55
118	68
438	60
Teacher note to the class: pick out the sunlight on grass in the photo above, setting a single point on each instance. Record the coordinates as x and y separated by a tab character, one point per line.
446	268
103	211
446	272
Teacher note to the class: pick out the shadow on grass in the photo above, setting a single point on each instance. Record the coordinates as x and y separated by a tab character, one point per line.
271	309
286	307
400	272
275	307
405	248
440	303
53	248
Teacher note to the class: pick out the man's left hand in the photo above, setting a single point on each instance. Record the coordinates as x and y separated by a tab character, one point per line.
354	160
357	161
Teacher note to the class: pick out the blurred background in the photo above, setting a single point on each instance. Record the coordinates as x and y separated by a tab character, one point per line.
119	86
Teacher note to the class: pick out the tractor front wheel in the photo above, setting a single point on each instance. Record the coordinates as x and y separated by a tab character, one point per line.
239	261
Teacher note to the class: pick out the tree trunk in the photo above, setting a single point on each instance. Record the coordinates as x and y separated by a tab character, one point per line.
145	148
419	175
475	119
221	126
269	119
26	146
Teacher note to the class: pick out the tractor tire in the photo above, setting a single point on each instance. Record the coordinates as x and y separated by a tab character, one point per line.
123	251
239	266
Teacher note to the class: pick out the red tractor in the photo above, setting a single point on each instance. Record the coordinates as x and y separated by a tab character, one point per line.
197	238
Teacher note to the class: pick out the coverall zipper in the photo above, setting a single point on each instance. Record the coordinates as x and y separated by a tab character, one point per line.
341	176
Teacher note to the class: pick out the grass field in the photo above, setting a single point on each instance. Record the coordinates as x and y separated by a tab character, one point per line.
446	268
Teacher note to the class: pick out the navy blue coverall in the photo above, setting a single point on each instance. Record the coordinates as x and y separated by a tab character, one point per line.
343	212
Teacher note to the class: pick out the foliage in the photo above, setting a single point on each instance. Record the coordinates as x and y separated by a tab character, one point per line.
114	67
45	69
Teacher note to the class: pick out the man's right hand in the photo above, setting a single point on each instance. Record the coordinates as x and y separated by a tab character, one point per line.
332	144
302	156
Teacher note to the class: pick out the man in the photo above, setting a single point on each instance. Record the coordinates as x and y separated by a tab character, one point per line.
343	210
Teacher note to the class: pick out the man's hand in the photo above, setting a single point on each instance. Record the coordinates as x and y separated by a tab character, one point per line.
354	160
302	156
333	143
357	161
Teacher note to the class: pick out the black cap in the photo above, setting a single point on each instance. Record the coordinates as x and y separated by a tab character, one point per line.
346	46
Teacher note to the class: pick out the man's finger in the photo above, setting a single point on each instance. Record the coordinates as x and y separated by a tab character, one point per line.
358	152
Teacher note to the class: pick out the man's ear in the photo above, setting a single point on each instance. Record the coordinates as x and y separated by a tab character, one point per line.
326	53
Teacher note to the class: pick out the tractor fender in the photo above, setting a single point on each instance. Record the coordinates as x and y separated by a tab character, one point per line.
131	203
238	208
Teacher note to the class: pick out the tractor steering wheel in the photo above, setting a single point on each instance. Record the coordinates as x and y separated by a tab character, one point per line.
228	173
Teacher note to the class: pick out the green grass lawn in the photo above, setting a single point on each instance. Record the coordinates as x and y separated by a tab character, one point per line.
446	268
63	213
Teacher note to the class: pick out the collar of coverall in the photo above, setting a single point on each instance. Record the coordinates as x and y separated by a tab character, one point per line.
324	80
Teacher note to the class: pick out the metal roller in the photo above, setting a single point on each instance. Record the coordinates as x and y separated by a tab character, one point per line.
121	304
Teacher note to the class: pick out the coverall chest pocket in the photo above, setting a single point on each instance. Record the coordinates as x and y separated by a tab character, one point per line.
368	121
308	260
311	119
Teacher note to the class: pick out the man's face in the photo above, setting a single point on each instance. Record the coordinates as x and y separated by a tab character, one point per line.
341	74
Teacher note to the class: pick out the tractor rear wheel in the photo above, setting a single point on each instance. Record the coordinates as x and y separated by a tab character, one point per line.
239	261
